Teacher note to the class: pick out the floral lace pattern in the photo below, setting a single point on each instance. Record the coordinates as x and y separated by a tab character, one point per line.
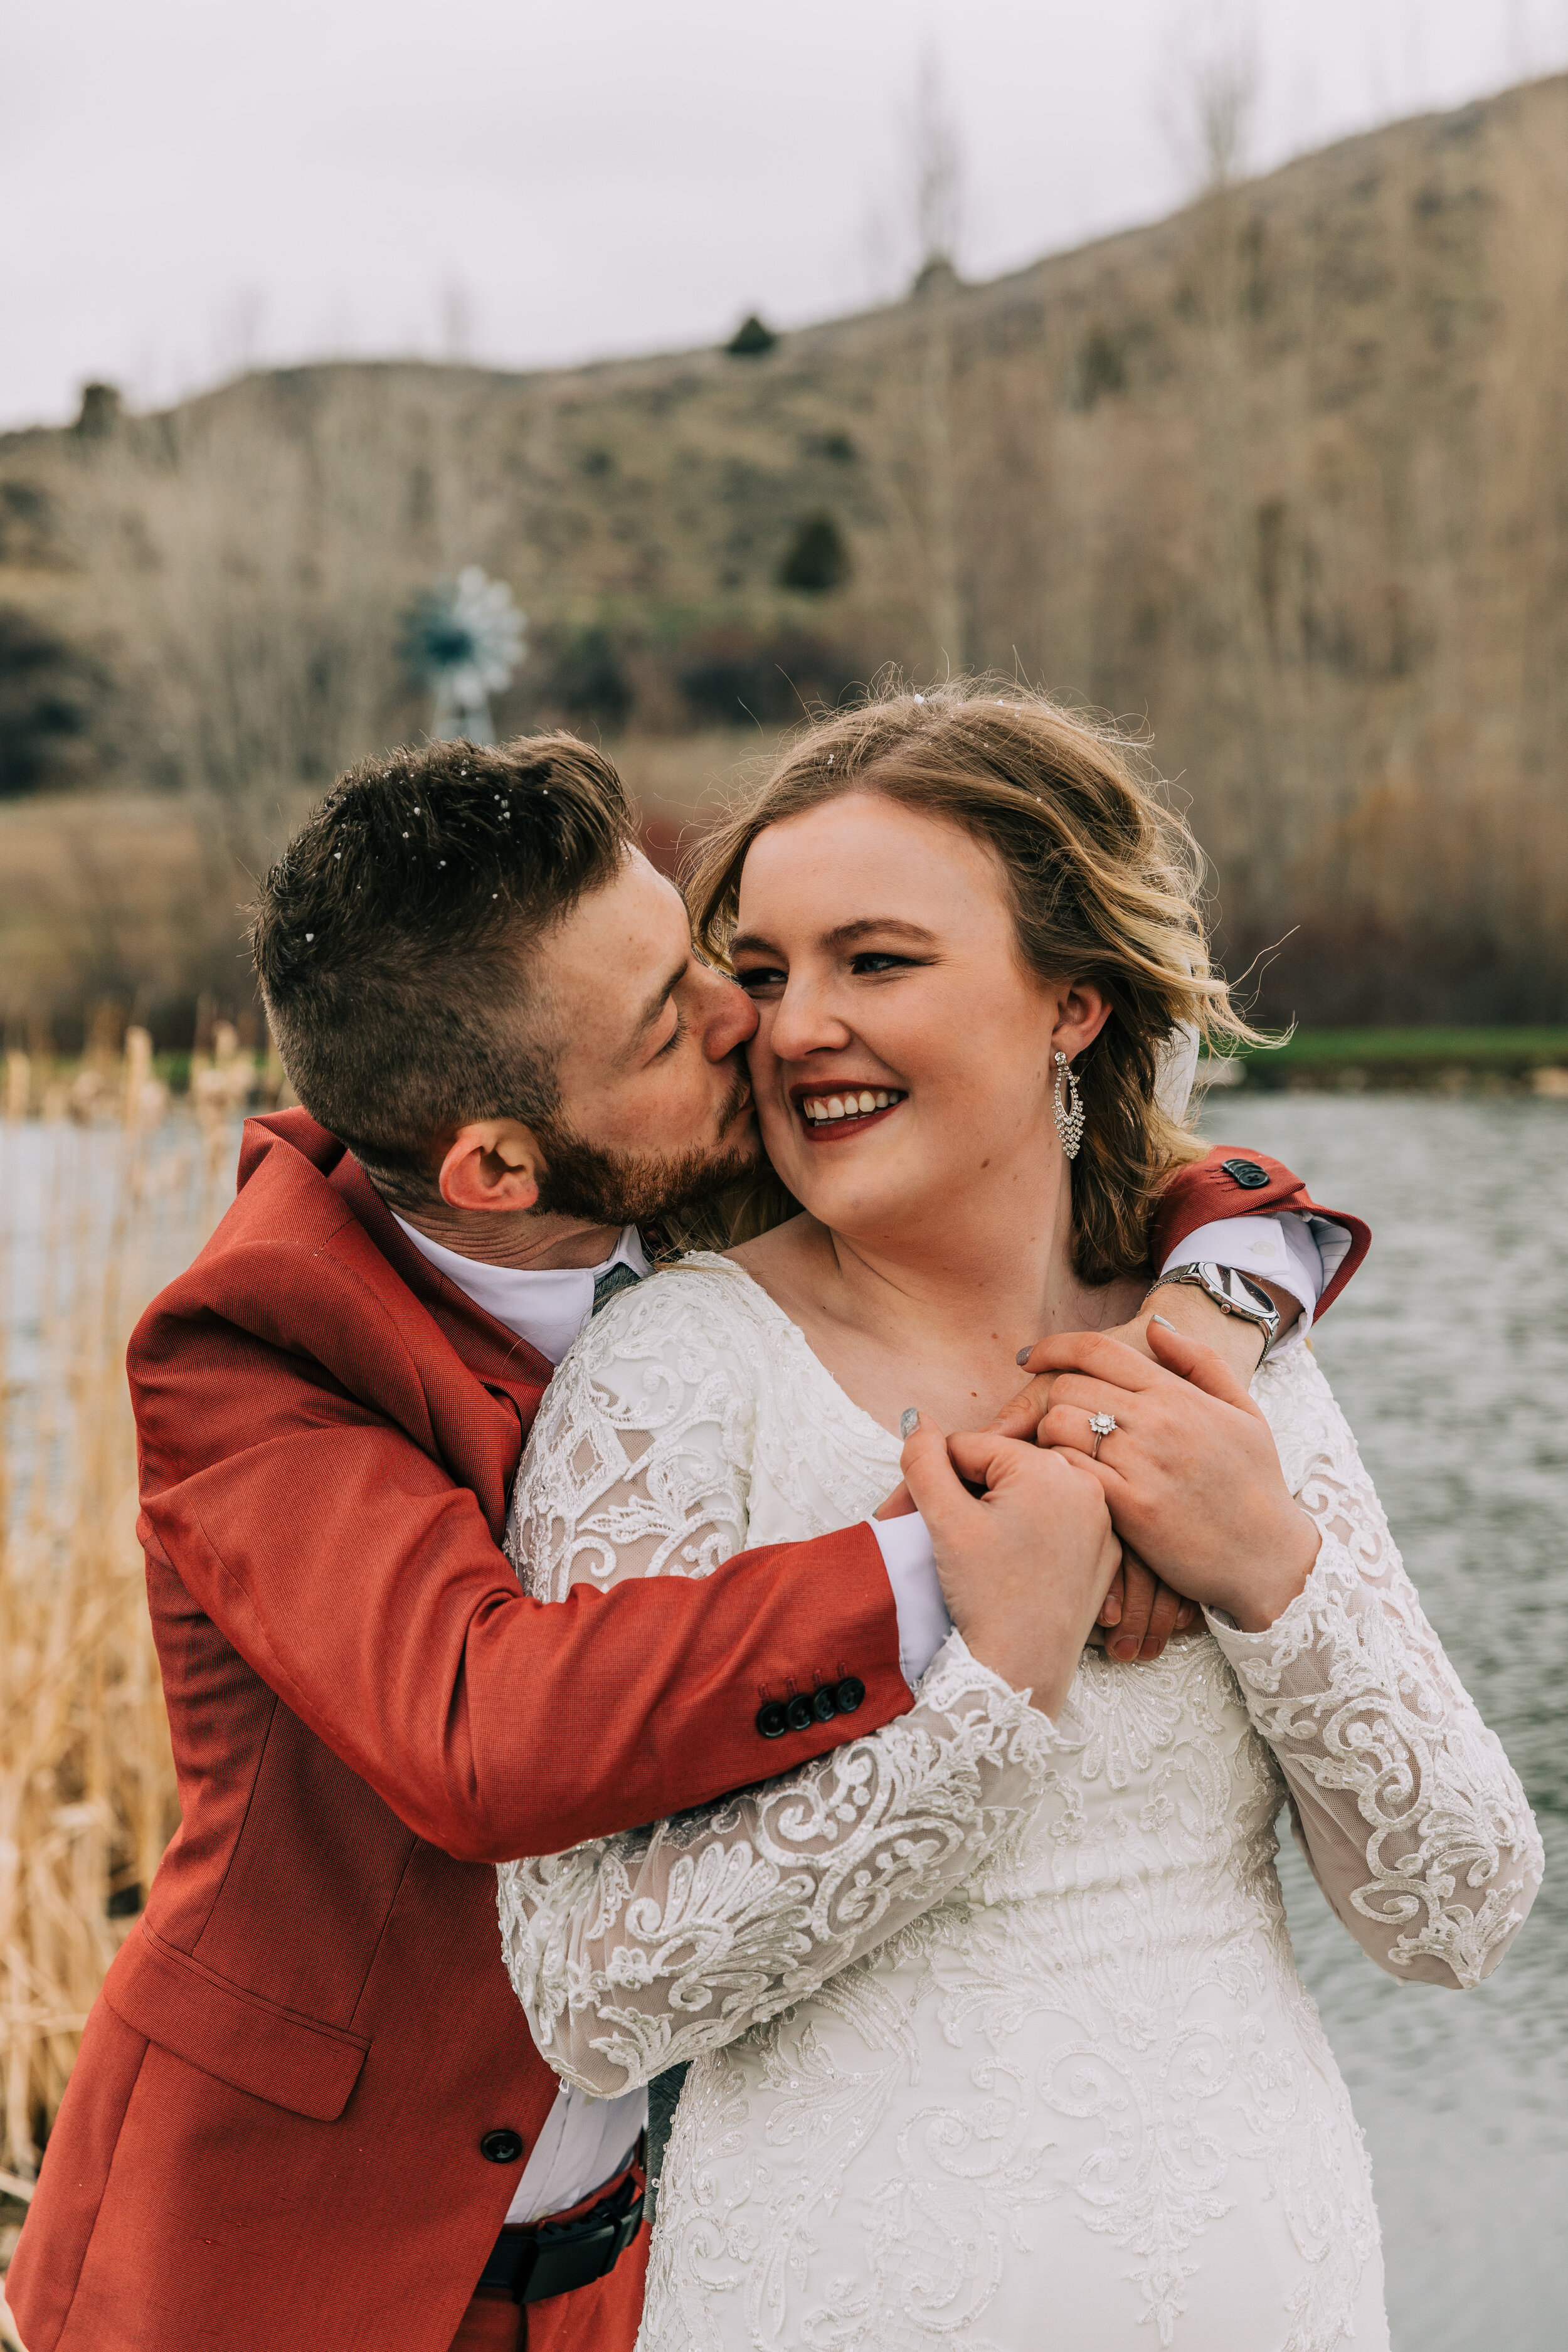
995	2023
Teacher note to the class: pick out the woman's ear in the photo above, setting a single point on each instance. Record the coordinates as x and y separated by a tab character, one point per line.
1082	1012
493	1163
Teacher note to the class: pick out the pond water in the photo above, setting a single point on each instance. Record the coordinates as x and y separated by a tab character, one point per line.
1449	1354
93	1221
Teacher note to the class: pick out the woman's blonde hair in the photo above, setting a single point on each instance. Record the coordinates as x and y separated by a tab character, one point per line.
1104	880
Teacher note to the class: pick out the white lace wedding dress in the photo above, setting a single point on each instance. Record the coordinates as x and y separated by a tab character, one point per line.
999	2038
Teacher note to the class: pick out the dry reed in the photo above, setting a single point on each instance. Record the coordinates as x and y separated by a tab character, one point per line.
102	1197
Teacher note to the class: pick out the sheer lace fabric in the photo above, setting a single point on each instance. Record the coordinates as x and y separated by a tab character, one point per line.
996	2018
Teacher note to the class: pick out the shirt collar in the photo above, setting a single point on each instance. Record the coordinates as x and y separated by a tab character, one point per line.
547	1309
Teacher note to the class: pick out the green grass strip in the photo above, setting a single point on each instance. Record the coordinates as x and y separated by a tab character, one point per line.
1510	1048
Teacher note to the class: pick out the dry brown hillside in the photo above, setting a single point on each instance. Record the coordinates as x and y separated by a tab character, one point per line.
1285	475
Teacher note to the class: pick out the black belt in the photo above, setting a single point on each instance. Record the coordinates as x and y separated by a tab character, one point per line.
553	2257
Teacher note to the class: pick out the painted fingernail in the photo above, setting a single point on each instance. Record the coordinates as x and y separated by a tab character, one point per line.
1022	1355
909	1420
1164	1325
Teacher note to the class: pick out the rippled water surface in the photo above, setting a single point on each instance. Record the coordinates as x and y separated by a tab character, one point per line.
1449	1354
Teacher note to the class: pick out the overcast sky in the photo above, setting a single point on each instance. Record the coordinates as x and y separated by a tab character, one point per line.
188	187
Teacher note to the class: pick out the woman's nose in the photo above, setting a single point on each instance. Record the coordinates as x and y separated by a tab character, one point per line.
803	1022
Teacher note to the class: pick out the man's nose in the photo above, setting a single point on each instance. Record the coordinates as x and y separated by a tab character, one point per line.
731	1019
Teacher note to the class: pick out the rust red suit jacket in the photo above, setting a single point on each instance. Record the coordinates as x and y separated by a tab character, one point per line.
272	2138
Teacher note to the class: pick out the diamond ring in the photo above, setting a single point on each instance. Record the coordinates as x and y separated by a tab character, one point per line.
1102	1423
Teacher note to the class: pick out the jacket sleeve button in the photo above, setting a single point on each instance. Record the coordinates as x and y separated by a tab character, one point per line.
773	1720
501	2146
1247	1173
824	1703
849	1694
801	1714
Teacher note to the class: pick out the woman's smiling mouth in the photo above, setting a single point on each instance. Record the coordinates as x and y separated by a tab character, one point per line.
828	1114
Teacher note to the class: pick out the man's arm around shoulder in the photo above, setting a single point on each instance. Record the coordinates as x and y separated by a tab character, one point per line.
356	1572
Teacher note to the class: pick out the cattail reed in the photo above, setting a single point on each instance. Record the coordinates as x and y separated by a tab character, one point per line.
102	1199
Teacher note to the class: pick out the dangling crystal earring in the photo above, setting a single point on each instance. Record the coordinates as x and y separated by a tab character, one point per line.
1067	1107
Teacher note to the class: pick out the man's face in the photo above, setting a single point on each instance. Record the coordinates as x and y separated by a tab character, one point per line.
655	1105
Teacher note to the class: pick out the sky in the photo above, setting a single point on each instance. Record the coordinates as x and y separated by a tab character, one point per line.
189	188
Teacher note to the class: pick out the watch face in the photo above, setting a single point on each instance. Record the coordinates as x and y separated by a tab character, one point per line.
1238	1294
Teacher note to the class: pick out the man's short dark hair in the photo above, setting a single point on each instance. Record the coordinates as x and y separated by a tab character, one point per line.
392	939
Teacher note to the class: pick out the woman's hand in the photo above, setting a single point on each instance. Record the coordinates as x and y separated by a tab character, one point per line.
1024	1565
1190	1472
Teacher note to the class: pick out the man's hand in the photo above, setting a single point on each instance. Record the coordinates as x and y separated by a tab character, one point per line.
1190	1471
1139	1612
1023	1566
1236	1342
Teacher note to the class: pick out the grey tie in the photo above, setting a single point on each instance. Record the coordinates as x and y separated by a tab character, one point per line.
614	1278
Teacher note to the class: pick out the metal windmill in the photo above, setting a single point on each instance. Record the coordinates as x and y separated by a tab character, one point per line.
465	640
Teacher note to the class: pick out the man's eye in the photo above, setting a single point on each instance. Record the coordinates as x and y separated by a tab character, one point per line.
760	978
675	1037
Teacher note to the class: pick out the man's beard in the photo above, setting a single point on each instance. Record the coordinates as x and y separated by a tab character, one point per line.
579	1179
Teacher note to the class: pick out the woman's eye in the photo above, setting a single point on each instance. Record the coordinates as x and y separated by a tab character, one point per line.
760	978
867	966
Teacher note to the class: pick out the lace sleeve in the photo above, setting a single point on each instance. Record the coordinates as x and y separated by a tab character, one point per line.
638	1952
634	1953
1410	1815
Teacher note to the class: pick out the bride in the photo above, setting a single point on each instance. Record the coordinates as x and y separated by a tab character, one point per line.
998	2036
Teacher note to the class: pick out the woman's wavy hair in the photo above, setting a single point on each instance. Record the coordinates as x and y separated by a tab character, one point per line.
1105	883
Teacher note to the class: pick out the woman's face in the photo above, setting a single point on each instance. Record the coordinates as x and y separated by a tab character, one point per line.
903	1053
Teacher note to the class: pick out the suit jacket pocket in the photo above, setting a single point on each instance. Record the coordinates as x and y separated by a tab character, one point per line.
250	2044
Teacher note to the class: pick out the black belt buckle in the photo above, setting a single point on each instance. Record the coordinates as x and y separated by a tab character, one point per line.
554	2257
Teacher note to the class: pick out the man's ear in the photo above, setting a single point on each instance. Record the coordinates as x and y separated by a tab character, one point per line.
1082	1012
492	1163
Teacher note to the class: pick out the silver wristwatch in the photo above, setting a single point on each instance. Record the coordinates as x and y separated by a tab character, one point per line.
1233	1293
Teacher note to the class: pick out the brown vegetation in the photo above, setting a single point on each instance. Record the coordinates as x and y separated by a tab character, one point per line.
1286	475
102	1202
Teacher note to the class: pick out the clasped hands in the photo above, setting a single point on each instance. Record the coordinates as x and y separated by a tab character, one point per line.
1190	1475
1185	1504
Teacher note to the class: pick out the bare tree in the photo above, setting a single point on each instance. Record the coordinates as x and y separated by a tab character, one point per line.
916	219
936	167
236	331
1208	96
457	309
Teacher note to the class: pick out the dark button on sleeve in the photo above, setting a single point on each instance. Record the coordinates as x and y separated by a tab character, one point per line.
773	1720
849	1694
801	1714
501	2146
1247	1173
824	1703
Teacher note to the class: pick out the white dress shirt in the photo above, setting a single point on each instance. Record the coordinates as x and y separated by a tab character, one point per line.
585	2141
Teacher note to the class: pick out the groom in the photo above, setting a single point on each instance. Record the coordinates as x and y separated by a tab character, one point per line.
307	2110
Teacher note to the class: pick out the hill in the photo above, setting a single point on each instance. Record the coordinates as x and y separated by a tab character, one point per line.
1285	477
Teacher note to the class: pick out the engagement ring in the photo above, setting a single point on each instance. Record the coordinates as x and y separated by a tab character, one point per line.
1102	1423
